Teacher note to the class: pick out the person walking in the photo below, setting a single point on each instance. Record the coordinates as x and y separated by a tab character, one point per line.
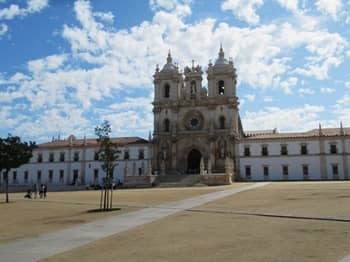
44	190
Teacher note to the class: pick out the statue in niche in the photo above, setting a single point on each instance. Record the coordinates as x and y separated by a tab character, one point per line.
193	87
221	149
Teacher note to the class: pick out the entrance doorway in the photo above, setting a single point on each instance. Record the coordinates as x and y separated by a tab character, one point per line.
193	162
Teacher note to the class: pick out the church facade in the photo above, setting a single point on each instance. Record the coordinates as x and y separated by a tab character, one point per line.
193	123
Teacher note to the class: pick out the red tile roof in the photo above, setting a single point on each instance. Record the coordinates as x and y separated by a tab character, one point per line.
72	141
271	134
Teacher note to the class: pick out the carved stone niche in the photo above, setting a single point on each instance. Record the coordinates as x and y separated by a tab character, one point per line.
193	120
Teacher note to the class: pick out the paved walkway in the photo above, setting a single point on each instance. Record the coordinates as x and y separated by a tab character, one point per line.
46	245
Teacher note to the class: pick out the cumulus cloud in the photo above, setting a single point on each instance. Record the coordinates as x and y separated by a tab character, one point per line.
291	5
14	10
244	10
330	8
287	119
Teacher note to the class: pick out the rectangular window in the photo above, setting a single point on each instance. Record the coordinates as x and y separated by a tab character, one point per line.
285	170
141	154
126	154
140	171
51	157
264	150
284	150
96	157
333	148
266	171
246	151
14	177
248	174
335	169
38	176
40	158
50	176
76	156
61	176
62	156
75	176
303	149
305	170
26	177
95	176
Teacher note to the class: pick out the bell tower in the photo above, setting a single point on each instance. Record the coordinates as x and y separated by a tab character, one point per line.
222	77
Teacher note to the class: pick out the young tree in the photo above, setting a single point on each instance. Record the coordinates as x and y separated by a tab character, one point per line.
13	153
107	155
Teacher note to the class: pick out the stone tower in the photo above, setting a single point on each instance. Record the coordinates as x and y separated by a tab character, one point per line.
192	123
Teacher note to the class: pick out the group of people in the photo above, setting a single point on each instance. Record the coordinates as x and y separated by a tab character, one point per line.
42	192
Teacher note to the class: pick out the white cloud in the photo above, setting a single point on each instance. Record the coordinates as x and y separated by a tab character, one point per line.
13	10
287	119
243	9
250	97
330	8
288	85
347	84
268	99
291	5
305	91
107	17
3	29
327	90
168	5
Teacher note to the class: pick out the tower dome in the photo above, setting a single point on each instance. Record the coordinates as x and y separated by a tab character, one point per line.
169	66
221	60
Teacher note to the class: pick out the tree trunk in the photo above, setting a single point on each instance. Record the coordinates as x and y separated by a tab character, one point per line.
7	186
101	198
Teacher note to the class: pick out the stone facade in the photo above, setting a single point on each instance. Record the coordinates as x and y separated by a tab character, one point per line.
192	122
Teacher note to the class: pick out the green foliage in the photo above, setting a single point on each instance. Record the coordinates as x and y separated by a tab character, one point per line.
13	154
108	150
107	154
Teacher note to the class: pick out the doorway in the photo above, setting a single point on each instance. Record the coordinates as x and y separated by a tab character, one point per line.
193	162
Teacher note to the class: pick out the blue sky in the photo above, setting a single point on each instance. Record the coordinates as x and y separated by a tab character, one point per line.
66	65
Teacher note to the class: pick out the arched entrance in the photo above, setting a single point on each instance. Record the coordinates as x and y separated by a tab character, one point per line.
193	162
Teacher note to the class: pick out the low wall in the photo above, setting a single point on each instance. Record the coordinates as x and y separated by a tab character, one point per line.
216	179
139	181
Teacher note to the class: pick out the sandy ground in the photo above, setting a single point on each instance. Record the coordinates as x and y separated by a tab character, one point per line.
308	198
24	218
208	236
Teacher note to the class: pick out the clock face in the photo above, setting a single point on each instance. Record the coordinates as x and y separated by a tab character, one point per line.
193	120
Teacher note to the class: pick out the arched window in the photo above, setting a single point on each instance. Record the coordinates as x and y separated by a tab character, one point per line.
222	122
221	87
166	125
193	87
166	90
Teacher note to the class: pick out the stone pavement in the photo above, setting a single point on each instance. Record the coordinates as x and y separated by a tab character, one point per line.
46	245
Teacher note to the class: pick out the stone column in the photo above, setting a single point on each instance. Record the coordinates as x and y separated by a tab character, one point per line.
201	166
134	168
345	162
149	168
126	169
209	166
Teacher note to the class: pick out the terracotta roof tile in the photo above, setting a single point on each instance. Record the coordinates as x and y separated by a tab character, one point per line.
271	134
92	142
